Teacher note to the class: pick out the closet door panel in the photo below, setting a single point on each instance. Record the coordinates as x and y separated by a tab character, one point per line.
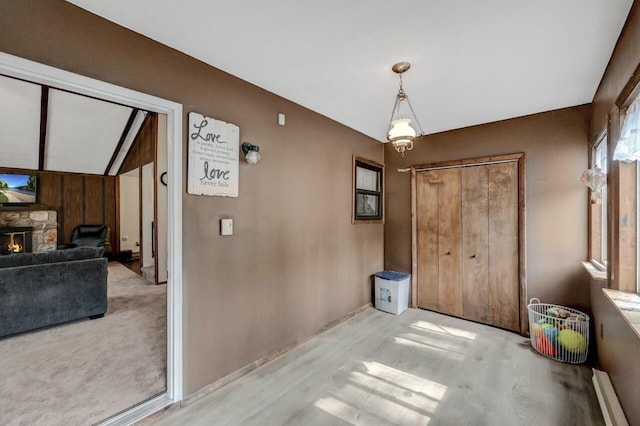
503	245
450	241
427	240
476	299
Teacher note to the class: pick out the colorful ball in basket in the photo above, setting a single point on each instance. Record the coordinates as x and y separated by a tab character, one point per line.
545	346
551	333
572	341
535	329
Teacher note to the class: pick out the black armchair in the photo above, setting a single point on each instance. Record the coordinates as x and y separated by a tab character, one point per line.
92	236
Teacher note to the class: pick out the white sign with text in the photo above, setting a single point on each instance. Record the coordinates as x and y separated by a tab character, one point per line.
213	157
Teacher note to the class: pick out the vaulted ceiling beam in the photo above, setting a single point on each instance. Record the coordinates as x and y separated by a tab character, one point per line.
125	132
44	109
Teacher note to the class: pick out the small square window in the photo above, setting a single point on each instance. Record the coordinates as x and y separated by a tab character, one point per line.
368	202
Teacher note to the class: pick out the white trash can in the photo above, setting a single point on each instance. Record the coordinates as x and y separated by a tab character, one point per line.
392	291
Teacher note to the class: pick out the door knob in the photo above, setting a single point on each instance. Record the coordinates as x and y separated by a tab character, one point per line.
473	256
448	253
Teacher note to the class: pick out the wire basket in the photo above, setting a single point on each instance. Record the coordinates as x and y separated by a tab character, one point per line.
558	332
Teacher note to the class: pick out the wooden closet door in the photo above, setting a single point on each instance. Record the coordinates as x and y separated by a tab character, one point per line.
439	222
504	281
427	239
476	298
467	242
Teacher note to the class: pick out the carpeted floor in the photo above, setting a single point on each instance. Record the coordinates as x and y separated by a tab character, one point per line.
83	372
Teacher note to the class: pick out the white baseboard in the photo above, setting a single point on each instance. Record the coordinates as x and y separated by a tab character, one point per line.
609	404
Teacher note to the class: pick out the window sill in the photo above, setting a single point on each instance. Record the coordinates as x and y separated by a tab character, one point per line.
595	273
628	304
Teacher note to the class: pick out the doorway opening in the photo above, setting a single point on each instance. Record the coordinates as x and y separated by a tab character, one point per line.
26	70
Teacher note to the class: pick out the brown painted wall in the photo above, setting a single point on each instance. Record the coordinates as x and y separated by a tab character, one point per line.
618	351
623	62
295	262
555	144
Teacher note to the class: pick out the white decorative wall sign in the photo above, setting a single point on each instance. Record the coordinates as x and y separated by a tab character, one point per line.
213	157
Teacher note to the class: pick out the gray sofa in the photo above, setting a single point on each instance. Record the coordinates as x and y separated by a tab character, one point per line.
43	289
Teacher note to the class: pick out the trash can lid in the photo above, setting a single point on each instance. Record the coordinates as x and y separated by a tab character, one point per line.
392	275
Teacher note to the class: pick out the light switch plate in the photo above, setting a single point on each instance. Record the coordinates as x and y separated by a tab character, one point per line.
226	226
281	119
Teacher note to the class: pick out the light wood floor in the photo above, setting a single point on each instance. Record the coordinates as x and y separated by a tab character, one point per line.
414	369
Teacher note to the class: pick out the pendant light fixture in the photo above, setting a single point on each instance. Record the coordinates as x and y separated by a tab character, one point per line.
404	126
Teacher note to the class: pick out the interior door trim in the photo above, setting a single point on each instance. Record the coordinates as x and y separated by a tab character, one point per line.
522	242
25	69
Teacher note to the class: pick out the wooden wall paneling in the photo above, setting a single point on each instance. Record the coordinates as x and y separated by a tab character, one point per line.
110	211
149	145
450	241
73	203
476	300
93	200
613	197
142	150
49	190
503	245
427	240
626	243
49	193
132	159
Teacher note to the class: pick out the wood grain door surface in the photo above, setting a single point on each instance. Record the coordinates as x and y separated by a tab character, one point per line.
467	243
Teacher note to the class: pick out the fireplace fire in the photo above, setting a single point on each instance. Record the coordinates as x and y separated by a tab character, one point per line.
15	240
15	244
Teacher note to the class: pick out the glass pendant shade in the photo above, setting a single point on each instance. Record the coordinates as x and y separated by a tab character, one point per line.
401	135
404	127
401	129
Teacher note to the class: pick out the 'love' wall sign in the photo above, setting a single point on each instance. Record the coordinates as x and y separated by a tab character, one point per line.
213	156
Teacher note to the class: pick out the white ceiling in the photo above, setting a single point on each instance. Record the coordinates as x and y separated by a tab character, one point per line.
20	123
81	135
472	61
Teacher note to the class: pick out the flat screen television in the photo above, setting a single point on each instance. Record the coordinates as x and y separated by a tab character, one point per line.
16	189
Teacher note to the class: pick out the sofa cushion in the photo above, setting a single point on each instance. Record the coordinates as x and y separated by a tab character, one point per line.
54	256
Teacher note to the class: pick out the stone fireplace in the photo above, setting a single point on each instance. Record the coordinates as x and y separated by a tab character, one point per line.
35	231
